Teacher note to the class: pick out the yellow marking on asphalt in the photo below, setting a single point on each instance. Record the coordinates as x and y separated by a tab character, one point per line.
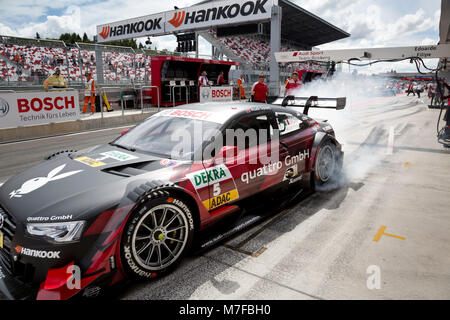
259	252
381	233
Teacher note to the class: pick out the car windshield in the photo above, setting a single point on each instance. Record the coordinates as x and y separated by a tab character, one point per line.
169	137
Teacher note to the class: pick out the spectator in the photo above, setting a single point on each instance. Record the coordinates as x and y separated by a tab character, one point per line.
56	80
259	90
203	80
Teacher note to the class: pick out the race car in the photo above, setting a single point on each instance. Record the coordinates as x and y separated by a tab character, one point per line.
83	221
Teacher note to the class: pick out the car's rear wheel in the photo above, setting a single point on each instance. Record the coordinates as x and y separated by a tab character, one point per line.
157	236
327	165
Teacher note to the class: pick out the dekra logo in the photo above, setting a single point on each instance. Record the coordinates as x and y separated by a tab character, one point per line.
218	13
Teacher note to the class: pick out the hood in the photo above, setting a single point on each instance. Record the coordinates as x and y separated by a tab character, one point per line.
72	187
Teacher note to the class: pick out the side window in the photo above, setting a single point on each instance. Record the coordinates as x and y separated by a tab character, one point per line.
287	123
249	131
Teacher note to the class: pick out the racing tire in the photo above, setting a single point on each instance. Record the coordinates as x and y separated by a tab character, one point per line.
157	235
328	165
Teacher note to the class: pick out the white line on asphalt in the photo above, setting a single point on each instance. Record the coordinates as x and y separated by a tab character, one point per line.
390	146
65	135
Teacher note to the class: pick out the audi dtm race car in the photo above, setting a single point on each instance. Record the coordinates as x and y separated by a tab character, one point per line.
85	220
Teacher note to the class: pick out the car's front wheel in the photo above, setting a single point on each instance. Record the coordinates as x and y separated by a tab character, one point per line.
157	235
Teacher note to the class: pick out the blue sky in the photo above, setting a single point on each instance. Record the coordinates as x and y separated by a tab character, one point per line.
372	23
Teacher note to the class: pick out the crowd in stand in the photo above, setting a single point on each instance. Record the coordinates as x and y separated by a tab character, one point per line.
254	49
25	63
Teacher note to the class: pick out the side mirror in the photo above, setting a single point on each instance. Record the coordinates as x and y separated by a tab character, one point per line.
226	153
125	131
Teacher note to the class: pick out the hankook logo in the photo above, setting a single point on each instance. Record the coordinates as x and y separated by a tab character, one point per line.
223	12
4	107
105	32
178	19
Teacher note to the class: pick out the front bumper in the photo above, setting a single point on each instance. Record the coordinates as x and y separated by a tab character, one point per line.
14	289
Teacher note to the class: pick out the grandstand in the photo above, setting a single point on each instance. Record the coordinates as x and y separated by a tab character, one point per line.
28	62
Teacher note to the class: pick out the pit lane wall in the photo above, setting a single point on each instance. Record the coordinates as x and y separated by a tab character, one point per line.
29	115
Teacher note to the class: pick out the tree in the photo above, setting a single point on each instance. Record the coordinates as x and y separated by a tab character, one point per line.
37	35
85	38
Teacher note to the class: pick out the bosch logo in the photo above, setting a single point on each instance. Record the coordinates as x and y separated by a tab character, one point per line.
2	221
4	107
221	93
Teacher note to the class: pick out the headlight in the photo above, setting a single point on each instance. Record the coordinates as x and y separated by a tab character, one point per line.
59	232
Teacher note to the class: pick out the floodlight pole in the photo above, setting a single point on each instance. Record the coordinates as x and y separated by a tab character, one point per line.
275	45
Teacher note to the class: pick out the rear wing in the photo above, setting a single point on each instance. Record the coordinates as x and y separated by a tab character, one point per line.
311	102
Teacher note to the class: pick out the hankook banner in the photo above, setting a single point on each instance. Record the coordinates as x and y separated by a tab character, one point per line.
203	16
33	108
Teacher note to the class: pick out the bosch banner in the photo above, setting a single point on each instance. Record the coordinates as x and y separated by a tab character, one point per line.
33	108
192	18
213	94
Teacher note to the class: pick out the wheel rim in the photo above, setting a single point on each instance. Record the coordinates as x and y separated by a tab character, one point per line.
325	163
160	237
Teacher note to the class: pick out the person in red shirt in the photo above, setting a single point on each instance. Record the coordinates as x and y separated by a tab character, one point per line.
293	84
259	90
221	79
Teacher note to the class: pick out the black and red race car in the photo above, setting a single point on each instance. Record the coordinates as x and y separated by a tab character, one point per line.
81	221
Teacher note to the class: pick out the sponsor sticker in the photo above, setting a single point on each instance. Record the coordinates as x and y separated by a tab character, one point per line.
167	163
118	155
218	178
1	240
98	162
52	218
38	253
37	183
90	162
200	179
224	198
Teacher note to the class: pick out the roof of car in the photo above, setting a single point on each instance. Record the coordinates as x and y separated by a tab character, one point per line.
219	112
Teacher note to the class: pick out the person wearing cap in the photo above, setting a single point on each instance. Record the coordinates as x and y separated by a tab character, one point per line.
89	93
293	84
56	80
259	90
203	80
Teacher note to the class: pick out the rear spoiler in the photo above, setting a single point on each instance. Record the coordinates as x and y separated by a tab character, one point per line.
311	102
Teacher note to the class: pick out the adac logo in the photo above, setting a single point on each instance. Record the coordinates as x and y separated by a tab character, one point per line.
4	108
105	32
178	18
